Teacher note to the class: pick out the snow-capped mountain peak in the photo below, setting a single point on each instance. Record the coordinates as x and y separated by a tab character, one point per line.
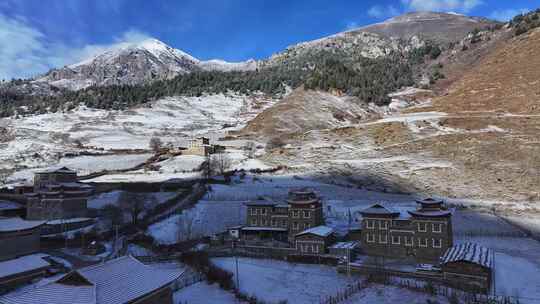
124	63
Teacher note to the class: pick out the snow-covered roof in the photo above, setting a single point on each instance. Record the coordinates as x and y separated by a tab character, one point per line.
468	252
58	169
23	264
429	201
378	209
16	223
53	293
434	213
383	209
7	205
71	220
261	202
117	281
323	231
345	245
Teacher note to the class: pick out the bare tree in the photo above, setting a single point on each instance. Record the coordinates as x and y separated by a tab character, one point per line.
155	144
220	163
134	204
250	147
114	214
185	225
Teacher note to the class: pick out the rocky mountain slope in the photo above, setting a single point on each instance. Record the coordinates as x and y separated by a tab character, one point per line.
399	34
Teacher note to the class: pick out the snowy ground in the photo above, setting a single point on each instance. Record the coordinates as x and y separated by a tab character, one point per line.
381	294
273	281
89	164
205	219
203	293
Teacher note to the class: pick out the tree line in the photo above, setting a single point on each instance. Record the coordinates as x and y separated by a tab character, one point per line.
369	79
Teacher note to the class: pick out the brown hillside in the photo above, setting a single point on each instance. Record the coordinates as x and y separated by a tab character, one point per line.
507	80
302	111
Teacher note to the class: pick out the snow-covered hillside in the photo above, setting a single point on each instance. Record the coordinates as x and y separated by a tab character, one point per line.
38	141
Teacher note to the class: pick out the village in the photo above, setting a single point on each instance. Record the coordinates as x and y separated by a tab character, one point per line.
55	241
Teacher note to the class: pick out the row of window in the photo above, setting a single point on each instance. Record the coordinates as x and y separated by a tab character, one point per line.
309	248
422	227
279	223
295	213
407	240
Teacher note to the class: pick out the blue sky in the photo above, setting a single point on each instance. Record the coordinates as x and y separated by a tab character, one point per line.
38	35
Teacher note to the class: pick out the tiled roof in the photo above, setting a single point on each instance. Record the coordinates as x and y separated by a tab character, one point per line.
118	281
323	231
54	293
8	224
124	279
23	264
468	252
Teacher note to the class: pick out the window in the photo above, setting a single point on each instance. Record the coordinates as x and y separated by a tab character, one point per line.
274	223
295	213
370	224
253	211
395	240
263	211
370	238
383	225
436	227
306	214
295	225
253	222
315	248
408	241
264	222
284	223
422	227
422	242
383	239
437	243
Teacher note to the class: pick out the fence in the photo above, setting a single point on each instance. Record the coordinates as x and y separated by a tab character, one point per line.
346	293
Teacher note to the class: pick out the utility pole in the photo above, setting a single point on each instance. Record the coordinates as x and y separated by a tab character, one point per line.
349	264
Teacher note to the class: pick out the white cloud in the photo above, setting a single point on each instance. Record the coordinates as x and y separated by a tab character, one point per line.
25	51
379	11
464	6
508	14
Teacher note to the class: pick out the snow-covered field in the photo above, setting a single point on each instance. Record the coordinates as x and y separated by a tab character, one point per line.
205	219
89	164
273	281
